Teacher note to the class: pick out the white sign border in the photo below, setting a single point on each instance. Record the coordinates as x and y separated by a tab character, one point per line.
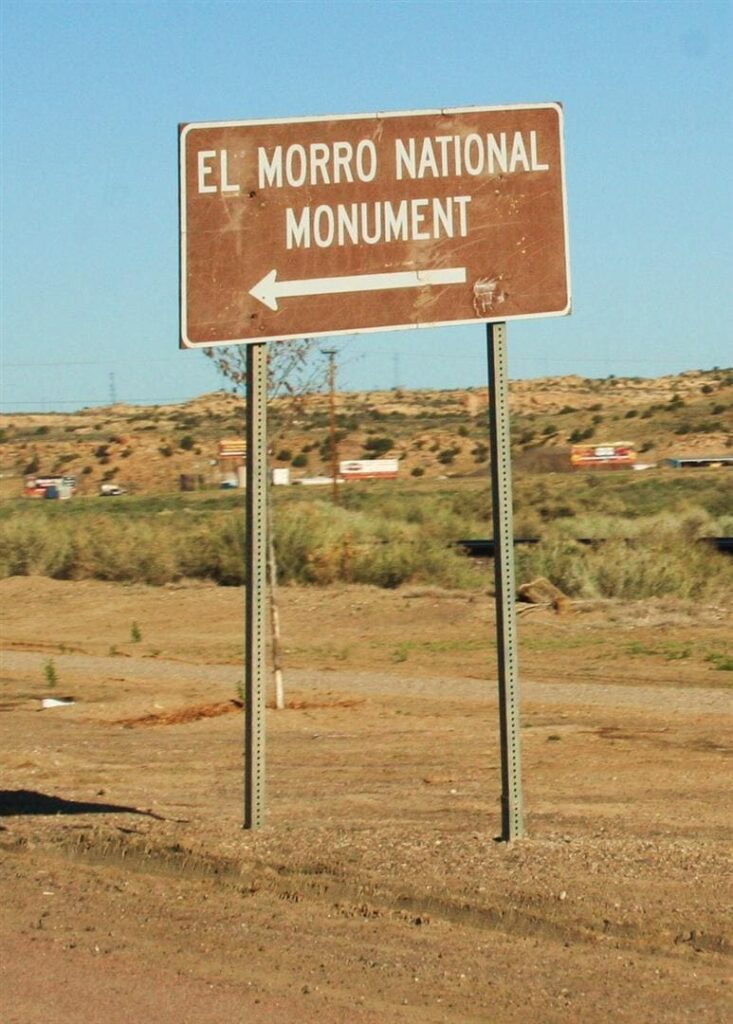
185	129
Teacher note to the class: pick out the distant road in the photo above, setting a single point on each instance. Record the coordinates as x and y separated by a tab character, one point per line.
221	682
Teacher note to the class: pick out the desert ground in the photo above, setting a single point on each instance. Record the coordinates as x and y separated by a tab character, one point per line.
376	892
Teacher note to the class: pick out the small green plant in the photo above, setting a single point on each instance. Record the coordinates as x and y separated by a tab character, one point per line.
721	662
636	648
400	652
669	651
676	652
50	674
135	634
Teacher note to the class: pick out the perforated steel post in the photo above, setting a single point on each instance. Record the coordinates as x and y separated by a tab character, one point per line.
512	814
255	587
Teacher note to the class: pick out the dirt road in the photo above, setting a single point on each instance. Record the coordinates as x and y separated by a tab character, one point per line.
376	892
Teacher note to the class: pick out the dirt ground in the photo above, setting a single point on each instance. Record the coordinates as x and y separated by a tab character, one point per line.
376	892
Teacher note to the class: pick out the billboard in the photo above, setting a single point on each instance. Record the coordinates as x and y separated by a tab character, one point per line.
368	469
614	455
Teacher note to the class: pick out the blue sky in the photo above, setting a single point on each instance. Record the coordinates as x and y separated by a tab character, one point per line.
92	94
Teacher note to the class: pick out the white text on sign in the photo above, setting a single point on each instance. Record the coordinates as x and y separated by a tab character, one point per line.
370	223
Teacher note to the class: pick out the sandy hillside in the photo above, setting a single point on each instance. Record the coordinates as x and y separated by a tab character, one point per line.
432	433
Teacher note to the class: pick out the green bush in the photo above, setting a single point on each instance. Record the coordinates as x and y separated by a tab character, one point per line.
377	446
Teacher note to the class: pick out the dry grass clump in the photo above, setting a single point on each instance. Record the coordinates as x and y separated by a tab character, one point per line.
668	566
320	543
390	538
34	547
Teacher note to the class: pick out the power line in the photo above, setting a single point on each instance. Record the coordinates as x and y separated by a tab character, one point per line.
93	362
373	350
103	402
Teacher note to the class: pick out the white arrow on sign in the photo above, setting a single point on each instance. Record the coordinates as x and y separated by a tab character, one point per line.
269	289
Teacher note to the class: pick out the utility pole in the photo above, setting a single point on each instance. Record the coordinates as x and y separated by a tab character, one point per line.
112	390
331	353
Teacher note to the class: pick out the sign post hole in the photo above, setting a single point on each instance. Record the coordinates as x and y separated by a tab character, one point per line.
255	587
512	815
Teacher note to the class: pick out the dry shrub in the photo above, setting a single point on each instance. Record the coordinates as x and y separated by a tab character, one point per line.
36	548
383	538
213	549
125	550
319	543
657	565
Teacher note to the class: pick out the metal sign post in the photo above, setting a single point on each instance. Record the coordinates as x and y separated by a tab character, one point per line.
255	587
512	815
319	226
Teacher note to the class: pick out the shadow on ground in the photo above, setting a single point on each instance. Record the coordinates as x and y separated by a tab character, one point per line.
20	802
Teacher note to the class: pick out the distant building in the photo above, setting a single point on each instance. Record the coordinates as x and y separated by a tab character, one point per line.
62	487
699	461
281	476
232	455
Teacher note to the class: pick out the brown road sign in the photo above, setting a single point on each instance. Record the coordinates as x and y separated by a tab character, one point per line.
335	225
